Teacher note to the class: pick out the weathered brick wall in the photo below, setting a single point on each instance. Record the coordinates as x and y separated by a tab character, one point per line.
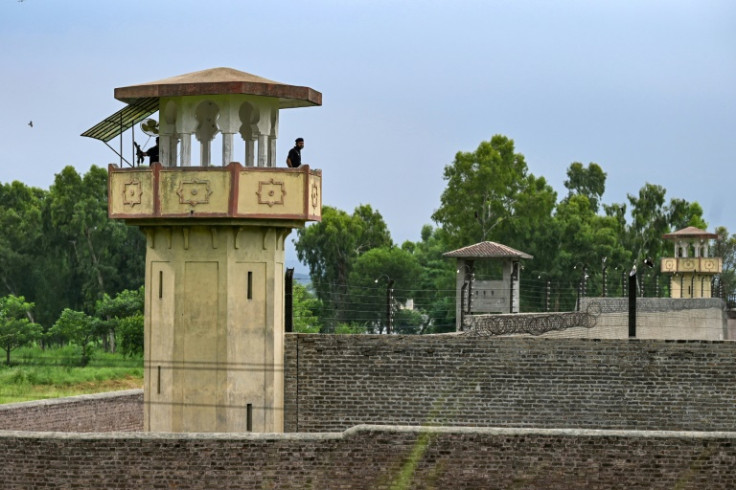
373	458
105	412
334	382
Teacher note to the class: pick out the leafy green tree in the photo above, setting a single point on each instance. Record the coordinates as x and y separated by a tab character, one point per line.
305	310
491	195
369	280
584	240
682	214
589	182
15	328
130	331
653	217
536	229
434	294
76	327
112	310
649	222
407	321
21	222
725	247
104	255
329	248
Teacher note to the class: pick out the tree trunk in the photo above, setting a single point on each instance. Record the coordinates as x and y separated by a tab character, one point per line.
95	262
111	342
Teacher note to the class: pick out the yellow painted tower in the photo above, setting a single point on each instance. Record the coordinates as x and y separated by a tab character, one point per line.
214	311
692	268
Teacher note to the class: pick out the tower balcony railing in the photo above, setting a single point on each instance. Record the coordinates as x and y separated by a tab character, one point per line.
701	265
233	192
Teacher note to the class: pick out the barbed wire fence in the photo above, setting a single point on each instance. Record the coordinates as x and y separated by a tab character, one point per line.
546	309
437	308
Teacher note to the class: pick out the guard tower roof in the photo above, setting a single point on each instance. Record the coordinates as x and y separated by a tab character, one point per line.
143	99
689	233
221	81
488	250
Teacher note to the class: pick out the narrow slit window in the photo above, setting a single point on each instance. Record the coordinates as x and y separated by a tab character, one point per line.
250	285
158	389
249	417
160	284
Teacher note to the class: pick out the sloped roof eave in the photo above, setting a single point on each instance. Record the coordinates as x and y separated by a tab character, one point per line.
487	250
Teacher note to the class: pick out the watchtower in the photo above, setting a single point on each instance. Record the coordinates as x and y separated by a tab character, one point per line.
486	296
692	268
214	306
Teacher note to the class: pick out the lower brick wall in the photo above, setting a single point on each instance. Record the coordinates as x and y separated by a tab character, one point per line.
370	457
334	382
105	412
472	386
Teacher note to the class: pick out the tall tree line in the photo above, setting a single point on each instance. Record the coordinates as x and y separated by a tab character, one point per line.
59	250
490	195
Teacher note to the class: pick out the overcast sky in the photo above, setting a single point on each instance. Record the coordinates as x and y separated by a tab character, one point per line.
646	89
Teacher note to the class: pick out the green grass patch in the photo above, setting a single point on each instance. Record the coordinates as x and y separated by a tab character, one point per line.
37	374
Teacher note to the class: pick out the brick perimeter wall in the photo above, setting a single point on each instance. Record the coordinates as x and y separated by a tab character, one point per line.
372	458
335	382
106	412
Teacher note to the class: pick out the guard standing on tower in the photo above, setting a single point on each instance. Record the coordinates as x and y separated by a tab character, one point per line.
295	154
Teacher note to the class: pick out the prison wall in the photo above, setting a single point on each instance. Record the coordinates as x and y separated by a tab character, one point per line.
372	457
656	318
335	382
440	411
104	412
608	318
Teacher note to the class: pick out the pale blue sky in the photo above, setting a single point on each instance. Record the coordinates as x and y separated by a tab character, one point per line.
647	89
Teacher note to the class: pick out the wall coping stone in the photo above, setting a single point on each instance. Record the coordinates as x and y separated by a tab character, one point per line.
344	337
368	428
70	399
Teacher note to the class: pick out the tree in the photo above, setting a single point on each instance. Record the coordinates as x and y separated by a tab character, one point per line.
112	311
652	218
725	247
130	331
682	214
21	216
434	293
15	328
76	327
481	191
649	222
306	309
589	182
372	275
104	255
584	239
490	195
329	248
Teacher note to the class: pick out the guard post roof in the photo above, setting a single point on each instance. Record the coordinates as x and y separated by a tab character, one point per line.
488	250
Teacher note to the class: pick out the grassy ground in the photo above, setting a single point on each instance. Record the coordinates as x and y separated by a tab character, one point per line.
35	374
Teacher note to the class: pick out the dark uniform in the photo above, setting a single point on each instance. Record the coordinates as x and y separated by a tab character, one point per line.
152	154
295	157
